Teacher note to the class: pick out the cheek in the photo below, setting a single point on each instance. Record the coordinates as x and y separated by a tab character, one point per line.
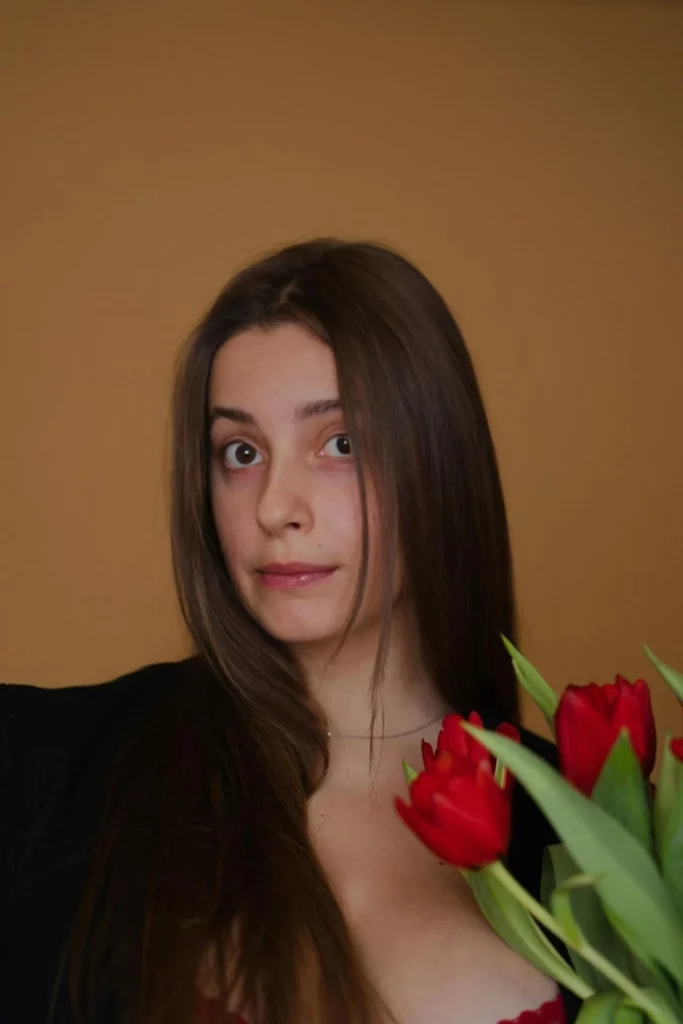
375	559
351	517
339	523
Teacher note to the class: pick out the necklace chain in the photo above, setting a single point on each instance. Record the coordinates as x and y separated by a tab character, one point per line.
391	736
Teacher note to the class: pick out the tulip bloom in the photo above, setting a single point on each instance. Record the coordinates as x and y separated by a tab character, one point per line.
457	808
588	721
463	746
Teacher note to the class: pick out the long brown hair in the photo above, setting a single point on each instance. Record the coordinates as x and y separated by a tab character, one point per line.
204	843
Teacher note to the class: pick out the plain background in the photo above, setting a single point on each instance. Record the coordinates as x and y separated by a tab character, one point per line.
527	155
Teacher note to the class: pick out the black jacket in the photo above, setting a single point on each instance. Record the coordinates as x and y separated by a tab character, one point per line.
55	748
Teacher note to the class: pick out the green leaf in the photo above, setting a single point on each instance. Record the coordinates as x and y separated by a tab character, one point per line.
594	922
622	790
600	1008
627	1015
643	969
561	905
590	916
670	780
673	678
628	880
580	881
672	853
557	867
408	773
500	774
662	1010
543	695
516	926
613	1007
549	881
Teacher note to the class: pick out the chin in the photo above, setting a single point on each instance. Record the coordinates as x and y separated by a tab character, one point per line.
303	627
297	633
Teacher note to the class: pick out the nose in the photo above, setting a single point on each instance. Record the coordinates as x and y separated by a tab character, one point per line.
284	502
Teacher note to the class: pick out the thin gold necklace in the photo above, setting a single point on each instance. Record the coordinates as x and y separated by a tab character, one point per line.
384	736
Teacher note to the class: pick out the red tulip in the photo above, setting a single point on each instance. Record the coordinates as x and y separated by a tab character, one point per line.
589	719
676	746
457	809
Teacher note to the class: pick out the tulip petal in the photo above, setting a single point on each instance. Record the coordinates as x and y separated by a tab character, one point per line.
427	755
480	812
476	839
422	790
507	729
633	711
446	845
476	752
584	735
452	737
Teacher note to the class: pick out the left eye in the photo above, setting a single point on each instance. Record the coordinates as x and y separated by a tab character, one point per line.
341	446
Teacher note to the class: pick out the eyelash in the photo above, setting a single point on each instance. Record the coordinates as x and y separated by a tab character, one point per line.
238	441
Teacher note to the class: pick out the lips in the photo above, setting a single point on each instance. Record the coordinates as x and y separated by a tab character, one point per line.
293	575
294	568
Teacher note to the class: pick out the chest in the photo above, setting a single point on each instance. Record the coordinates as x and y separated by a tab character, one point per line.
426	946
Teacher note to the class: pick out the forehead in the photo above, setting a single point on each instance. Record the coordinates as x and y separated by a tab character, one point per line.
273	368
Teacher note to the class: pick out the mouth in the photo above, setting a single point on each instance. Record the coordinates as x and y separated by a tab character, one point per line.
294	574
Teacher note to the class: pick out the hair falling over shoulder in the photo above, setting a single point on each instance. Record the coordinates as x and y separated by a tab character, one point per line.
203	868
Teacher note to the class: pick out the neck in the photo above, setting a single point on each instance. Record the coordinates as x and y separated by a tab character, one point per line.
407	699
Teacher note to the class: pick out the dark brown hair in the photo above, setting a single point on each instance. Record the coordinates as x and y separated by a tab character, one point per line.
204	844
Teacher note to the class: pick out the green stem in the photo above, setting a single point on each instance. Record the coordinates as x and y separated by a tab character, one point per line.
641	999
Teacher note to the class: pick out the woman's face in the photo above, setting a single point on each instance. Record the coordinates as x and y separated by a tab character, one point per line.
284	487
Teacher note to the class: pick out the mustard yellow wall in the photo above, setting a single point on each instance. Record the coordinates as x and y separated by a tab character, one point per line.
528	155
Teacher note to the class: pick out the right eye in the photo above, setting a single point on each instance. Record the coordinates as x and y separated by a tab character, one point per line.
240	455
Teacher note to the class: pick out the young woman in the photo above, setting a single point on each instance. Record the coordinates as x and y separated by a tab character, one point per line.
216	838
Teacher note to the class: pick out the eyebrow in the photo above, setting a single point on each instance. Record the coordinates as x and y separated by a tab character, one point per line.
304	411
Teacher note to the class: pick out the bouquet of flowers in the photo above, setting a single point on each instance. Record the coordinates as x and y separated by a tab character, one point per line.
612	887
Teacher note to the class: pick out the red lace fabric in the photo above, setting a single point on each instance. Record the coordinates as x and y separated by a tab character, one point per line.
551	1012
